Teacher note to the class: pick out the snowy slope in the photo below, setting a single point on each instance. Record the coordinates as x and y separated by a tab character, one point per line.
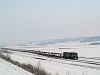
54	66
7	68
65	40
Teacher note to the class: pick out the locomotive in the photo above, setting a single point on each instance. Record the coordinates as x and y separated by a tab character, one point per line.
70	55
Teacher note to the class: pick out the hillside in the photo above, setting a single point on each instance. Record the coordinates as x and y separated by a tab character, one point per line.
67	40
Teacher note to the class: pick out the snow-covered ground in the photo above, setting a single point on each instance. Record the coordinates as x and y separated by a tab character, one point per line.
83	49
88	63
7	68
63	67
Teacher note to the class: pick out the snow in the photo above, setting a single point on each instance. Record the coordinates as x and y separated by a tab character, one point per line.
55	65
7	68
83	49
63	67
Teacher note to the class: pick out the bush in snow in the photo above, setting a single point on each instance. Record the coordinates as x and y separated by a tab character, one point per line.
37	70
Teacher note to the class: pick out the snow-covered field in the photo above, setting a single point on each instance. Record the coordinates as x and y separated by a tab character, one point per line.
87	64
83	49
7	68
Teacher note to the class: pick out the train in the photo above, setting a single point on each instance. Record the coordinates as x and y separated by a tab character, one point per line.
65	55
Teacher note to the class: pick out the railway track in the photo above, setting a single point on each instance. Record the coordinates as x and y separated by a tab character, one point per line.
93	58
86	63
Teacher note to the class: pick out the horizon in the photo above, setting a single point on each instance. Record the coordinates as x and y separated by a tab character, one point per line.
47	40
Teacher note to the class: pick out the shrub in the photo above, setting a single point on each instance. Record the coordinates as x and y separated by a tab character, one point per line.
37	70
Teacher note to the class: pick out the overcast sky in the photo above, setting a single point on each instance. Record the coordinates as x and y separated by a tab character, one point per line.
29	20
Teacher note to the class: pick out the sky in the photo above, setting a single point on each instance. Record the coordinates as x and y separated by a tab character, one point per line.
29	20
